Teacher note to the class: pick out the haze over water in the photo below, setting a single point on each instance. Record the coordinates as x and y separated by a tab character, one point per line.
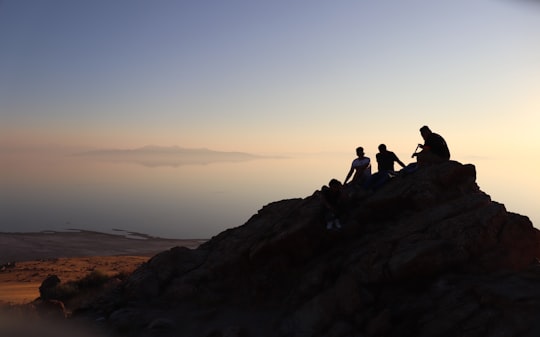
58	192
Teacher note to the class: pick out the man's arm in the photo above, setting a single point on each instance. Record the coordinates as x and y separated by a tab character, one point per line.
398	161
424	148
349	175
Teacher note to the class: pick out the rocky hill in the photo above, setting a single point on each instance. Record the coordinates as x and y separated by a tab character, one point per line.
428	254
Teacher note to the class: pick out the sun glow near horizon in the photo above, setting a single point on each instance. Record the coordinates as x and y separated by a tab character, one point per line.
276	78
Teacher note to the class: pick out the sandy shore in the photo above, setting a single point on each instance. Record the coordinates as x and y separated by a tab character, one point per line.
26	259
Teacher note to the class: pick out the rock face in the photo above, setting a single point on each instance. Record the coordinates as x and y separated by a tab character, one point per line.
428	254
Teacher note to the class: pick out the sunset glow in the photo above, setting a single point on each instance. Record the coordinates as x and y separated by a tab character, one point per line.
276	77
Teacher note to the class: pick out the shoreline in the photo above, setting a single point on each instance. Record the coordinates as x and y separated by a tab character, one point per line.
26	259
19	246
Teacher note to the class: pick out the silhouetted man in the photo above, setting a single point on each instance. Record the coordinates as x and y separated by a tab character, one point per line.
386	159
434	149
385	166
334	200
361	167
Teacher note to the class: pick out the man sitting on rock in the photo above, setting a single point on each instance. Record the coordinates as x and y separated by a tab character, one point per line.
434	149
385	162
334	200
361	167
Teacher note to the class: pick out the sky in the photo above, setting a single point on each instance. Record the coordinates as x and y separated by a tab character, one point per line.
271	76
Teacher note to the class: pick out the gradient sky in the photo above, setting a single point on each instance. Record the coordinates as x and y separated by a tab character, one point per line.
271	76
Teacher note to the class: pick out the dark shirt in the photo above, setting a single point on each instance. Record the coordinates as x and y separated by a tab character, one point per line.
385	161
437	145
332	196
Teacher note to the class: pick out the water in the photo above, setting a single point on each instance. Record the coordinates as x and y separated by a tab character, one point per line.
186	201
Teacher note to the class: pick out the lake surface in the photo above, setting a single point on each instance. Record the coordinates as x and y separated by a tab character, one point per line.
187	201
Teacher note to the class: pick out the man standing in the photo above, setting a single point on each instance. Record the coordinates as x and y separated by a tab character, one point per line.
361	167
434	149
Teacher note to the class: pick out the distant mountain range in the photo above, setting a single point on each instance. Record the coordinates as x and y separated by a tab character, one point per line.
168	156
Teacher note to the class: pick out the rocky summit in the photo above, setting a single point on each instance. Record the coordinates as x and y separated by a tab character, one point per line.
427	254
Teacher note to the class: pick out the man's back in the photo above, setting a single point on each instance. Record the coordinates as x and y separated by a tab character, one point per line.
438	146
385	161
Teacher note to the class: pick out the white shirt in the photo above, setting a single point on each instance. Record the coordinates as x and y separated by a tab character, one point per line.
359	162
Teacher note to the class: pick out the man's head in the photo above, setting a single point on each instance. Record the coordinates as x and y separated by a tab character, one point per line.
382	148
425	131
360	151
335	184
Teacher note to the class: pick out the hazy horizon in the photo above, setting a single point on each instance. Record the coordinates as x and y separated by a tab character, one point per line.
194	199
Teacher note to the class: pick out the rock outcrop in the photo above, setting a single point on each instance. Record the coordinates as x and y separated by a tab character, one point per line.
428	254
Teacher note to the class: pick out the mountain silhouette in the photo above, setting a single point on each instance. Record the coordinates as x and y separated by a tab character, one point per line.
427	255
152	156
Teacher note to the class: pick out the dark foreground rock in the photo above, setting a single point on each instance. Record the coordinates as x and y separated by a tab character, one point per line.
428	254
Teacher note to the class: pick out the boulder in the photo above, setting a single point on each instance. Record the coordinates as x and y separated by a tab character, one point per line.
48	288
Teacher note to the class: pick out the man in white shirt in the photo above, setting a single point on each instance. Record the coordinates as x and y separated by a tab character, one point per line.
361	167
